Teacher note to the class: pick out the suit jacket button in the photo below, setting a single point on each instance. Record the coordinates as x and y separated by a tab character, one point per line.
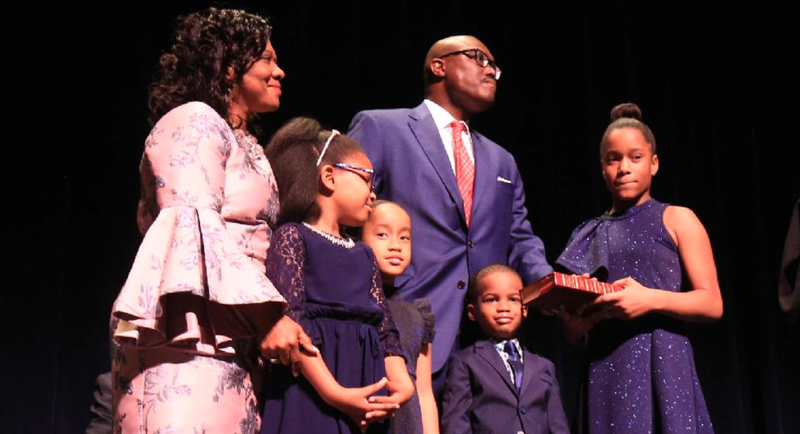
523	410
520	432
461	284
471	244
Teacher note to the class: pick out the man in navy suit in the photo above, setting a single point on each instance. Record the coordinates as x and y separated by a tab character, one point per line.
496	385
463	191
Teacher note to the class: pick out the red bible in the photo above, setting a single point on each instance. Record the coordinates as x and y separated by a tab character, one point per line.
572	291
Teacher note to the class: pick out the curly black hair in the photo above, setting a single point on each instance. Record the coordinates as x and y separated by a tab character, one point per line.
204	45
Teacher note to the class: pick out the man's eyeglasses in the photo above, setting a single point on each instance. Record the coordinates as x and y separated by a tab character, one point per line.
479	57
370	173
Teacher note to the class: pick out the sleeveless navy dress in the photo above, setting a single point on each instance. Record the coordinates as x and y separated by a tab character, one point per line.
642	376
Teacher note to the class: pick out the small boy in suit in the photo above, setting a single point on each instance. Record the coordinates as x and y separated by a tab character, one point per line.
496	385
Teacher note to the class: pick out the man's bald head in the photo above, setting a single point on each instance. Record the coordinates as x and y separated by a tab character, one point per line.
448	45
456	77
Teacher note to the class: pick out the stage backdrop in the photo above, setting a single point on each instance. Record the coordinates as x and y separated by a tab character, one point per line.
718	89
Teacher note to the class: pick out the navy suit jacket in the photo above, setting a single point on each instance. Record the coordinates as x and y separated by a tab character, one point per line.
412	169
479	396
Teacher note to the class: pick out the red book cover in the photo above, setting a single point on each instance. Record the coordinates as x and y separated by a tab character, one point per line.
572	291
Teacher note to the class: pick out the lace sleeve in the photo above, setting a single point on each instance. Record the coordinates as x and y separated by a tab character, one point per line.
390	337
285	262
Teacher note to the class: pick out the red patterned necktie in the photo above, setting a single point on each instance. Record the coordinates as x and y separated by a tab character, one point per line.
465	169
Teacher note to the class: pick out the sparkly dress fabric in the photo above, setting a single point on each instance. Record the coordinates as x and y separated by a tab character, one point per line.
208	199
335	294
642	376
415	322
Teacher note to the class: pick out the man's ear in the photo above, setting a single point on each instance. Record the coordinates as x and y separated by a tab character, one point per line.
437	67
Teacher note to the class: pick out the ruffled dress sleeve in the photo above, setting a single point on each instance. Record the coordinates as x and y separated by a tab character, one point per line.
423	306
189	273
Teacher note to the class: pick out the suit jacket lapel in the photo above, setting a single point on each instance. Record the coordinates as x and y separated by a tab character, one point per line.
483	172
486	350
528	370
424	129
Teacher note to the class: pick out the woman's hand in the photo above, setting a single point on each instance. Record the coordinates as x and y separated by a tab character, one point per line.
284	341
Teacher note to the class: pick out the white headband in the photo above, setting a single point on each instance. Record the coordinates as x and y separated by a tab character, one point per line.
334	133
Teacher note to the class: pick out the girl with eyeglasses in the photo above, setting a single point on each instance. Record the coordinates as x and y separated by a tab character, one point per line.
333	288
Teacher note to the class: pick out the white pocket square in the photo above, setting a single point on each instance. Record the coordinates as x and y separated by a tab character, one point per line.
501	179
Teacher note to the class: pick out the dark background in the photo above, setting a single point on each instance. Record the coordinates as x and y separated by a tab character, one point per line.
718	88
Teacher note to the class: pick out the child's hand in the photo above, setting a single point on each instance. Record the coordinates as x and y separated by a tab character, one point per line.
371	417
399	393
633	301
375	416
357	404
575	325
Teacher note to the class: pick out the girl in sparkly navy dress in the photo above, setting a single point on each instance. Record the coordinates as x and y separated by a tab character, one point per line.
333	289
642	377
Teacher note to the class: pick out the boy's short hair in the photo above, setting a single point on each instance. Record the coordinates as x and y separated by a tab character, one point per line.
483	273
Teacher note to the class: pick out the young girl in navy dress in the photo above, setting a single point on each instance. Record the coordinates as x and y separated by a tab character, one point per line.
388	233
333	289
642	377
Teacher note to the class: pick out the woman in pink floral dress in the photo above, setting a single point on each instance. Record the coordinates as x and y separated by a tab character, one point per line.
197	288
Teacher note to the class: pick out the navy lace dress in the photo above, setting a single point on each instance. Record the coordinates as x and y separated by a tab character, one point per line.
335	294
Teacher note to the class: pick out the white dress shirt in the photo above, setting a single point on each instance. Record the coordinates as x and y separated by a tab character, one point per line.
443	119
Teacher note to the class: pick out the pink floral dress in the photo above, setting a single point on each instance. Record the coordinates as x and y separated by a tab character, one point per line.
208	200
